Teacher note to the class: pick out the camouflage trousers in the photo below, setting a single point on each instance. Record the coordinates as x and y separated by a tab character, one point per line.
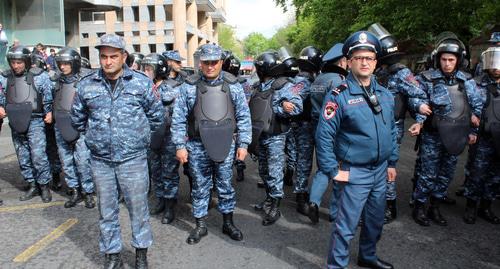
291	147
165	170
75	159
484	168
436	169
304	146
205	173
271	162
132	178
391	185
31	152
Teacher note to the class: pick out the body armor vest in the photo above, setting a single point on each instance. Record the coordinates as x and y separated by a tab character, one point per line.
400	100
63	100
491	118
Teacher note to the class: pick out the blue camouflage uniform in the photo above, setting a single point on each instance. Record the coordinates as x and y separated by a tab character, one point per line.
437	166
201	166
272	146
350	137
117	124
484	165
75	157
31	147
247	90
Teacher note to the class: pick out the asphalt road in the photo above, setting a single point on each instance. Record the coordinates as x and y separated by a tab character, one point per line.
37	235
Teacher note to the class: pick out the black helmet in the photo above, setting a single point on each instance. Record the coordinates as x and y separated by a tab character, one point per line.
135	57
268	64
389	51
20	53
158	62
86	63
69	55
289	63
448	42
310	59
38	61
231	64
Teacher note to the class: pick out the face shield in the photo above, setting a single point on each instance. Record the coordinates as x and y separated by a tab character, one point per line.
379	31
491	58
284	54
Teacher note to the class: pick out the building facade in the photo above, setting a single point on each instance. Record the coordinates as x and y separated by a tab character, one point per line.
152	26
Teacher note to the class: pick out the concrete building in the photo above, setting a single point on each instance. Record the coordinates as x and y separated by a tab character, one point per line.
152	26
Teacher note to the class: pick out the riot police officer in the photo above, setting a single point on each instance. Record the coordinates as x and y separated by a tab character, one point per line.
272	103
174	61
333	72
73	151
356	146
134	60
116	107
212	110
455	104
484	167
27	101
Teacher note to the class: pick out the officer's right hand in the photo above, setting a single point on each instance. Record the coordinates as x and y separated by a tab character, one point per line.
415	129
342	176
425	109
182	156
288	106
2	113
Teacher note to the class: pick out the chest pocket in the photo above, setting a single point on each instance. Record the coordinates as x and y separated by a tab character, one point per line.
95	99
132	97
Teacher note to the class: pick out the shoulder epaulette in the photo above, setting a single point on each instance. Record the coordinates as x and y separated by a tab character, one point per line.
140	72
36	71
89	74
339	89
7	73
229	78
193	79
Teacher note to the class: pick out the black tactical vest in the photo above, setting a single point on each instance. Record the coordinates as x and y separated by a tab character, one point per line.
22	89
400	100
64	94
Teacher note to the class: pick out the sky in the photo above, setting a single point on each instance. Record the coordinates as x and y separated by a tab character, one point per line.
247	16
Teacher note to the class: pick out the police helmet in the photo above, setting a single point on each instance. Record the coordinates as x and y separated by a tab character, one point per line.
389	53
135	57
20	53
268	64
71	56
86	63
231	64
361	40
289	64
310	59
38	61
491	58
158	62
448	42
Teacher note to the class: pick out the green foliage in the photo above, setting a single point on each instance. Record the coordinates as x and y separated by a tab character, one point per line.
228	41
254	44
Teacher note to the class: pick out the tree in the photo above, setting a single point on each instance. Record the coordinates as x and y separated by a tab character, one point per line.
228	41
254	44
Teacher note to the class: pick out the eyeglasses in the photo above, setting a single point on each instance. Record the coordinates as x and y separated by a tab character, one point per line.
368	59
210	62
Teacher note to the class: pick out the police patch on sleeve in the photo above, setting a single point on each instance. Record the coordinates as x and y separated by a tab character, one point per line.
297	88
330	110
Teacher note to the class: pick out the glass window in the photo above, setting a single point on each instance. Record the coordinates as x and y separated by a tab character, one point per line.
151	10
100	34
85	35
137	48
85	16
136	13
136	33
152	48
119	15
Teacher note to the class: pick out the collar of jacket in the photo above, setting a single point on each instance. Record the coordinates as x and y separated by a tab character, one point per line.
437	74
213	82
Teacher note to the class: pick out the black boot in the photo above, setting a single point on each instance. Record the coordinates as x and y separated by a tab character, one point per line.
264	205
198	232
434	213
30	193
302	206
274	212
470	211
88	199
240	174
56	182
448	200
486	213
288	179
390	211
260	183
460	192
158	207
74	199
229	228
376	264
419	215
45	192
141	258
113	261
313	213
169	214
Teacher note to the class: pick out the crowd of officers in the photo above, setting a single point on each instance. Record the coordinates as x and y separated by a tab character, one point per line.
140	117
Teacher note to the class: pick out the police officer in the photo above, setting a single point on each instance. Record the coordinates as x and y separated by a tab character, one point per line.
356	146
164	165
73	152
27	101
333	72
134	60
116	107
174	61
271	105
485	161
401	82
232	65
211	109
455	105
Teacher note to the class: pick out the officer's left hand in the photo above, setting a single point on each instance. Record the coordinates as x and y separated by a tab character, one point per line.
475	120
415	129
287	106
472	139
48	118
391	174
241	154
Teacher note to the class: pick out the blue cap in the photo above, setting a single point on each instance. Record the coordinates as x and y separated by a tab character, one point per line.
361	40
111	40
495	37
210	52
173	55
334	54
